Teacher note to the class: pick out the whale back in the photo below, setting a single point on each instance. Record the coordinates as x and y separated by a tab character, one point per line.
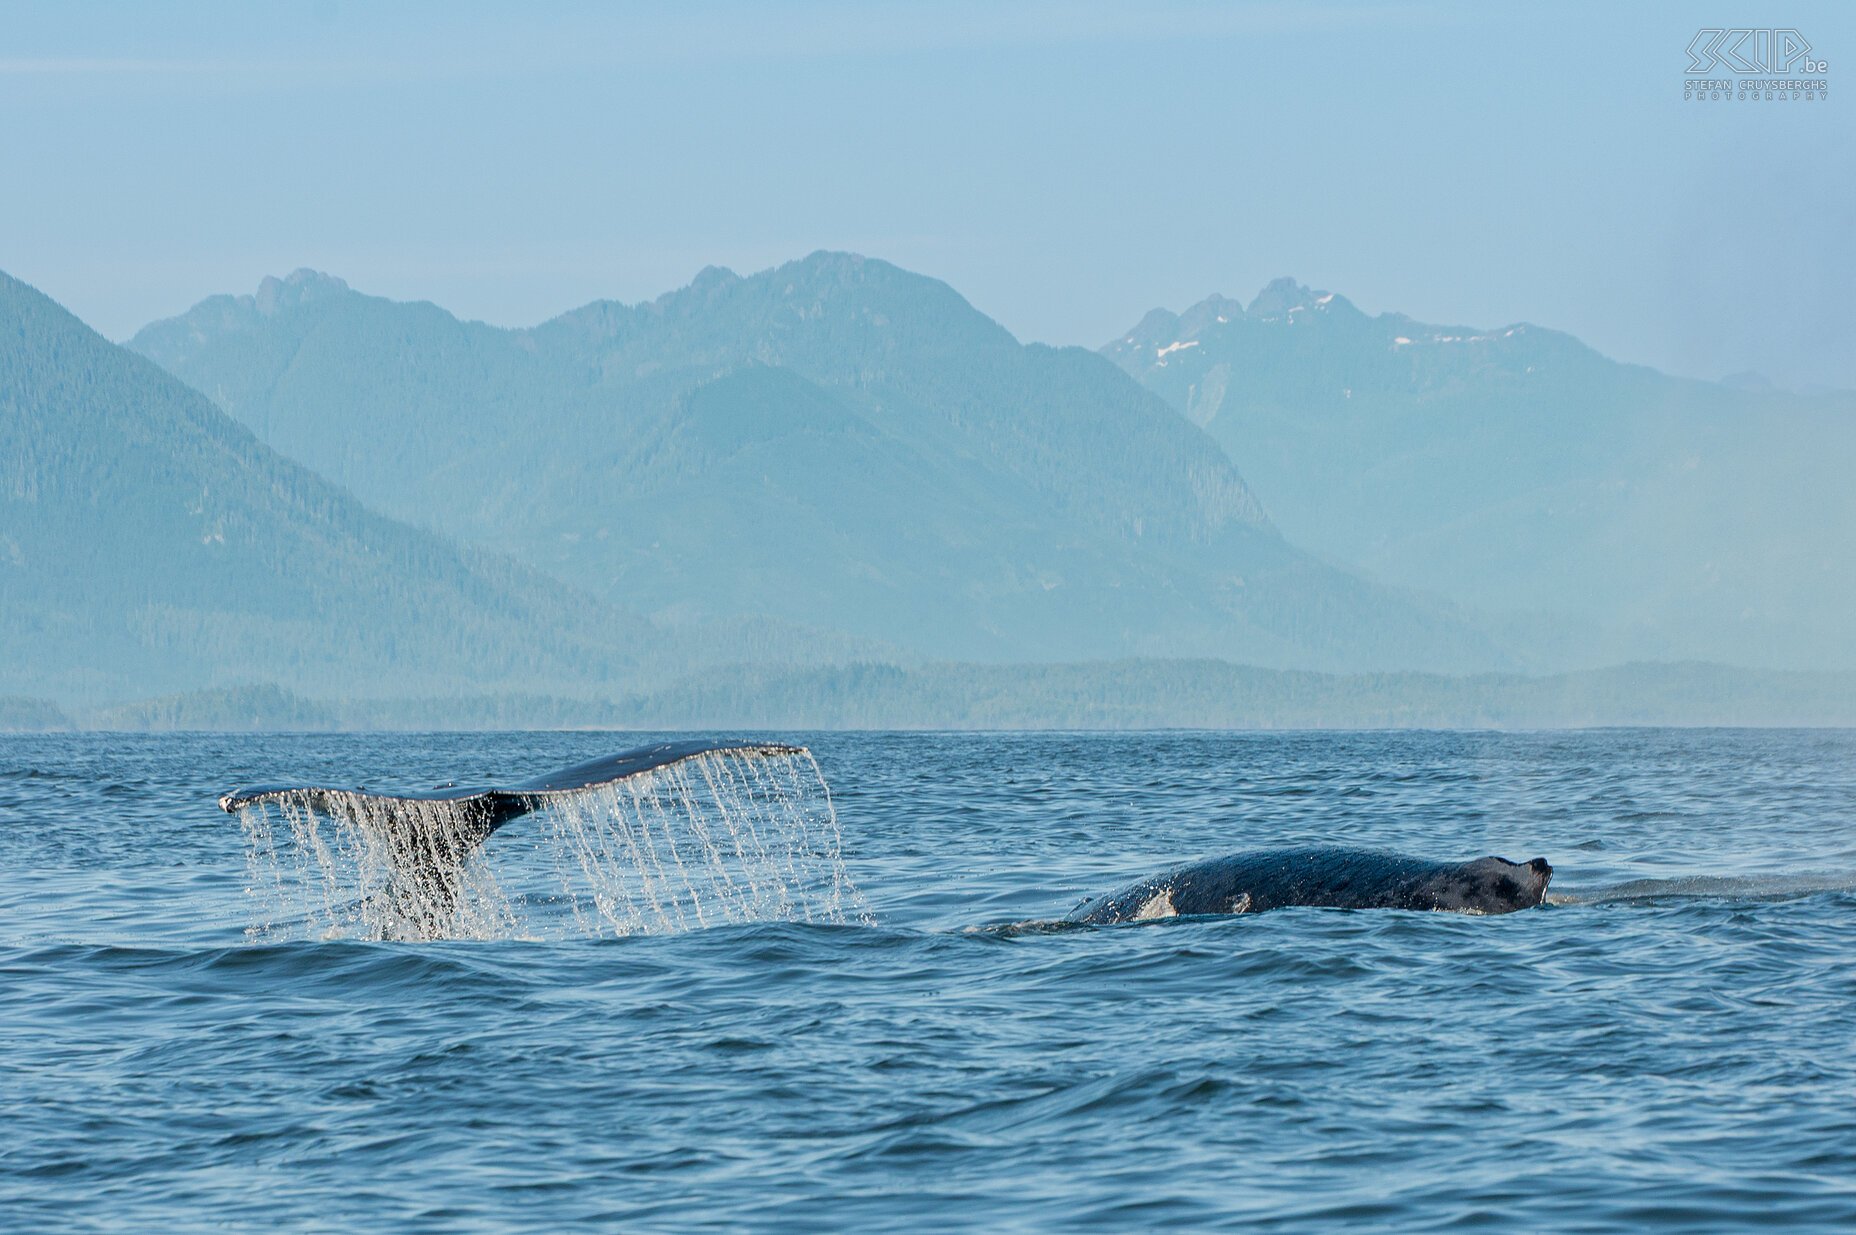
1324	877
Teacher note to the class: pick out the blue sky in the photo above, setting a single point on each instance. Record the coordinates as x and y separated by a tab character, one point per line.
1065	166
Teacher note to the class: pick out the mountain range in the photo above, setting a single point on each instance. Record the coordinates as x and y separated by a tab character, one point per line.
835	443
150	543
840	463
1515	470
146	538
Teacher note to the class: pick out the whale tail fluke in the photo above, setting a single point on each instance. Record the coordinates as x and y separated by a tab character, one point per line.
411	851
482	809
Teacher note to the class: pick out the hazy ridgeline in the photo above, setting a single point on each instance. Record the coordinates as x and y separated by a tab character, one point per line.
1101	695
835	493
1599	511
150	544
836	443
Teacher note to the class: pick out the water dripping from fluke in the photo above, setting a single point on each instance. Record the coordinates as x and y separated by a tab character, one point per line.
673	837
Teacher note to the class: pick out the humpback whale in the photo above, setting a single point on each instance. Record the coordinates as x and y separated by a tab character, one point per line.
1333	878
428	836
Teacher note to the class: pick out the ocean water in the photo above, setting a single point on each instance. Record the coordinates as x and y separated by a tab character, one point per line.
1672	1044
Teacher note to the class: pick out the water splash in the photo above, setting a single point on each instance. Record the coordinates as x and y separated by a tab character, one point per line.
723	836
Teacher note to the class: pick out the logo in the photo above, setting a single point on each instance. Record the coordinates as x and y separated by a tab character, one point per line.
1752	51
1756	64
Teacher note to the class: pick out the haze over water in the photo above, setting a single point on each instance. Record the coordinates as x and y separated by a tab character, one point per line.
1668	1060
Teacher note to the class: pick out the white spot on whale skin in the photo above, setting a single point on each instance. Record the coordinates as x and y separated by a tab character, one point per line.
1160	905
1241	904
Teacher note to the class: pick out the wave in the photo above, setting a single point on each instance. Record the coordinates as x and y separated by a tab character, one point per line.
1710	887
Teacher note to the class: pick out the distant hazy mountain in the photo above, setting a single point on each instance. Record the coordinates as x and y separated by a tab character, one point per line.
149	543
1126	694
836	442
1515	469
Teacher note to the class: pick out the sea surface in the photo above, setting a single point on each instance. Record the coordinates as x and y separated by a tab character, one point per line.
1671	1045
